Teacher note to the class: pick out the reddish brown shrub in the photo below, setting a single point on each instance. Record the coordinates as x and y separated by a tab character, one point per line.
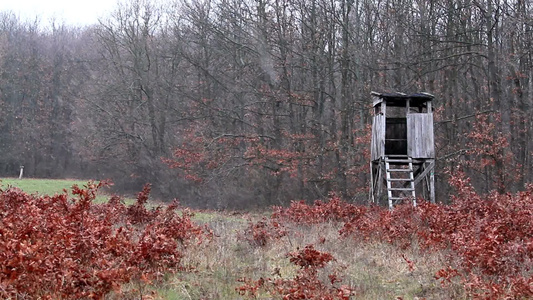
491	237
56	247
306	284
334	210
263	232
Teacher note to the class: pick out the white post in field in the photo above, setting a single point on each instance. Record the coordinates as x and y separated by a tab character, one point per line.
21	171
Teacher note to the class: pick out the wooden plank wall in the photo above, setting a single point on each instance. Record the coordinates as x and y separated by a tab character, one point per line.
420	140
377	149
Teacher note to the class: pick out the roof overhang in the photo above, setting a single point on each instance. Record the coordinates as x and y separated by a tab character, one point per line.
399	99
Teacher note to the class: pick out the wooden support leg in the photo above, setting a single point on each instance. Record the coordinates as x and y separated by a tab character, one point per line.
432	183
379	183
371	194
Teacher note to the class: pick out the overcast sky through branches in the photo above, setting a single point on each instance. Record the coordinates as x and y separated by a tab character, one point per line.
72	12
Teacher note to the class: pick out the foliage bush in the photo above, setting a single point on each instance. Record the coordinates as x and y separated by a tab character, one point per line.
490	237
306	284
67	247
263	232
59	247
333	210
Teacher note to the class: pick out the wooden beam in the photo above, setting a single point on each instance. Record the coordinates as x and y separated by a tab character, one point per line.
425	172
371	198
432	185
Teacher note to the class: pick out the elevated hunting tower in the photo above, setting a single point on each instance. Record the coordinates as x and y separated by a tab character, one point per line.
402	149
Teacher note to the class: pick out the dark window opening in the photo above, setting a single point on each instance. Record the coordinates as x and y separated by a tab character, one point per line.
396	136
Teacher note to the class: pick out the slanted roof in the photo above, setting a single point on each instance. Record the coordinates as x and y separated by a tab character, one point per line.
399	99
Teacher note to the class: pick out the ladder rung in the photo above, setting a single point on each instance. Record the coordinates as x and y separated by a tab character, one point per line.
400	179
398	160
398	198
401	189
399	170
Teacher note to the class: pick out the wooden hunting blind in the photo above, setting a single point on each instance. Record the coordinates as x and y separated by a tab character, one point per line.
402	149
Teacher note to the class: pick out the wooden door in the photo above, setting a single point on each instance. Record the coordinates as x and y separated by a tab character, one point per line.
420	140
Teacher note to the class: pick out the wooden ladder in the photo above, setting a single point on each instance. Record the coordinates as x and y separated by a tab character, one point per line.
400	179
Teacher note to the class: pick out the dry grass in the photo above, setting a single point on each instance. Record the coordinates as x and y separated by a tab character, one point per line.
374	270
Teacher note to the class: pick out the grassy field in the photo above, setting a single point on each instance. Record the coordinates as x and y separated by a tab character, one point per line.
52	187
373	270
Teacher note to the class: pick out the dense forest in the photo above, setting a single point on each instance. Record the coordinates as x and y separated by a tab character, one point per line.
243	103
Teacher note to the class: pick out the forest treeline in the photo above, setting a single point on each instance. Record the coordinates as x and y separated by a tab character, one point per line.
240	103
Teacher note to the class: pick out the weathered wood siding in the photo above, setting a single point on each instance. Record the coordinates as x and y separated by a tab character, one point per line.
377	149
420	142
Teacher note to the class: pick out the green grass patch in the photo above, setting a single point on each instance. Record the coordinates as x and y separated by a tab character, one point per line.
53	186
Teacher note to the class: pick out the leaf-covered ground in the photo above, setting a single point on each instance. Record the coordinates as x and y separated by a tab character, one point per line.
67	246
